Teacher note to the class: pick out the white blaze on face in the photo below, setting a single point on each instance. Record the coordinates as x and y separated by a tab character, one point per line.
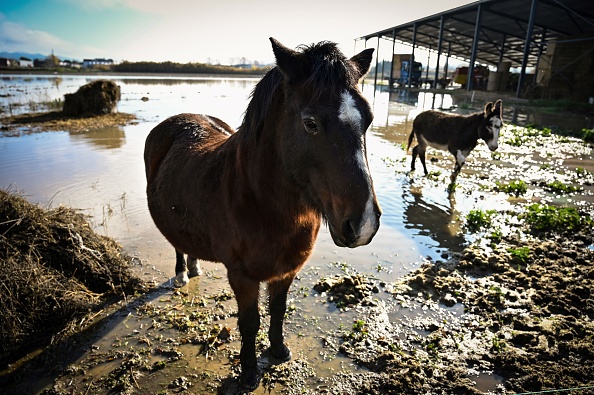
350	114
494	127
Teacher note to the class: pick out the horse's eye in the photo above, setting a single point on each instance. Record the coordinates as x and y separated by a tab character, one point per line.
311	126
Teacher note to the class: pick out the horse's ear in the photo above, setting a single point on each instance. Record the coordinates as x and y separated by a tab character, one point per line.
287	59
363	61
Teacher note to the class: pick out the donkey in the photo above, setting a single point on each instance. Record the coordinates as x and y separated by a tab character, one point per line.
254	199
455	133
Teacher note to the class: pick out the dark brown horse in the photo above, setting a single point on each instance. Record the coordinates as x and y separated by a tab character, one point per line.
254	199
455	133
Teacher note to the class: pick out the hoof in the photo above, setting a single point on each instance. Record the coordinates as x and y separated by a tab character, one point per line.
282	353
250	378
181	280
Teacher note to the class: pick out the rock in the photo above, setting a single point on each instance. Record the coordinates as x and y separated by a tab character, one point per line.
95	98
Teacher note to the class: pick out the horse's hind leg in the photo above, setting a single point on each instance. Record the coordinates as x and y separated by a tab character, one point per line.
246	294
277	292
194	267
181	270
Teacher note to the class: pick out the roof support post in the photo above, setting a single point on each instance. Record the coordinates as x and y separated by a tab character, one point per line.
527	44
540	49
501	50
477	29
376	64
412	55
439	43
391	81
445	67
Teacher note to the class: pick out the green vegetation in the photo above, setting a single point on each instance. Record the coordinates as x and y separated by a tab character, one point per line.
559	187
520	254
544	218
516	188
477	219
588	135
554	106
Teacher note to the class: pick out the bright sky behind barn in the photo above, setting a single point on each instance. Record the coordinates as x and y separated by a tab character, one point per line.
196	31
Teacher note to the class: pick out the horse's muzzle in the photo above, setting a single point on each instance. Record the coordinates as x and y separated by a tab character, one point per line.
357	232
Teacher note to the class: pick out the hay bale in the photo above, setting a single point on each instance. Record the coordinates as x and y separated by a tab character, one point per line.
55	268
95	98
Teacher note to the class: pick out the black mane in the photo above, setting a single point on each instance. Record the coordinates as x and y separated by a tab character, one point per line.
323	67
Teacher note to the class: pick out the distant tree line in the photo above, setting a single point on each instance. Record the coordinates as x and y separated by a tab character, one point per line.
187	68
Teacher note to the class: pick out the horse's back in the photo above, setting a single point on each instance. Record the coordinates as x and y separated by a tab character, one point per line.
190	130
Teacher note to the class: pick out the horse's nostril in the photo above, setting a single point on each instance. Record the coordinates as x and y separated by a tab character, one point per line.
349	229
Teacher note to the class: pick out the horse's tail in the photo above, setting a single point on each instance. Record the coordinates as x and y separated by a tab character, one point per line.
411	136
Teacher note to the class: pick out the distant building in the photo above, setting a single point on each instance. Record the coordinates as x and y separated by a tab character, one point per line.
72	64
5	62
90	63
25	62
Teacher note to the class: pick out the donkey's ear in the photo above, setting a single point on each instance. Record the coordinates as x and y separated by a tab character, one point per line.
363	61
498	108
488	108
287	59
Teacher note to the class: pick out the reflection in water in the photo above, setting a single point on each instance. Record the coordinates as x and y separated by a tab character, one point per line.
105	138
432	219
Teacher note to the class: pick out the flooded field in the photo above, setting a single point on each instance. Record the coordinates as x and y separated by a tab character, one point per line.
101	172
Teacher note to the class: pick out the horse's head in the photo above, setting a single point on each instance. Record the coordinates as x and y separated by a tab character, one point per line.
323	142
492	125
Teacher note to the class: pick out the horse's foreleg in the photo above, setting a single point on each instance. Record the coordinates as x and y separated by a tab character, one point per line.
246	294
181	270
277	292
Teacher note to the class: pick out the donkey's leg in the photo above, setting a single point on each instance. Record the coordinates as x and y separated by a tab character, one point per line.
460	160
194	267
277	291
422	157
414	157
181	270
246	294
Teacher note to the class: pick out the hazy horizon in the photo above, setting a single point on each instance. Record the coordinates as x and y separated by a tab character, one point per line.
185	31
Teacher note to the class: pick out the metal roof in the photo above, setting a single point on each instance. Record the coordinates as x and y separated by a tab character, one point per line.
501	27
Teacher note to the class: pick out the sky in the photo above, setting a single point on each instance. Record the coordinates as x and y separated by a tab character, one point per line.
221	31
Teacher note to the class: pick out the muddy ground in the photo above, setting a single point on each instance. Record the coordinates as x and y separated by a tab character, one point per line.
516	307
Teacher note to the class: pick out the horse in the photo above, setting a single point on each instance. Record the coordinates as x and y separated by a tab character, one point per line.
254	199
458	134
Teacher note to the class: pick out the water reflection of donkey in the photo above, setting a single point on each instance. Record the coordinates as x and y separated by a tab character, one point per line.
455	133
254	199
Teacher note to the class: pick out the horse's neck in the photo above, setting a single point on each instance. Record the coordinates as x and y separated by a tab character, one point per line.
259	162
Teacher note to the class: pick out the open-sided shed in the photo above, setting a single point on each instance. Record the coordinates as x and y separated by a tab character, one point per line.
495	31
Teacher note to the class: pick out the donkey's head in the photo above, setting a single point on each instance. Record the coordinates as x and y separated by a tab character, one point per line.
323	140
490	128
